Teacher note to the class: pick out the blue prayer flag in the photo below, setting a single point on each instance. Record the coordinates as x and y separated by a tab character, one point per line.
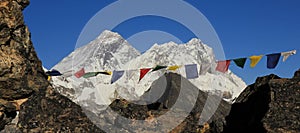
272	60
116	76
191	71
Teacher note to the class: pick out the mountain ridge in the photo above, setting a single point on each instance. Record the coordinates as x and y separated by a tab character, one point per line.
98	89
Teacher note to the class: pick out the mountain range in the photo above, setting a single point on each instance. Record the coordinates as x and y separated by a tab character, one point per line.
109	51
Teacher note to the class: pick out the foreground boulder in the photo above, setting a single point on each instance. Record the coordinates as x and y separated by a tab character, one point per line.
271	104
27	101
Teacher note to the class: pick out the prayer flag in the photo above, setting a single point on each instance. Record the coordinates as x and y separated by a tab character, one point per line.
204	68
272	60
158	67
191	71
53	73
49	78
90	74
143	72
67	74
287	54
129	74
173	68
116	76
80	73
240	62
254	60
105	73
223	66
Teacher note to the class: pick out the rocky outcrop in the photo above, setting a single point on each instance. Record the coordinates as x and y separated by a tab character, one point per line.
27	101
174	100
271	104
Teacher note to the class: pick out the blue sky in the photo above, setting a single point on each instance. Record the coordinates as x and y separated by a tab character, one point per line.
245	28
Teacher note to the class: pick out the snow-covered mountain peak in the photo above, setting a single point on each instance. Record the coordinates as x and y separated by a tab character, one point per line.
194	41
109	51
192	52
165	45
172	50
109	34
109	39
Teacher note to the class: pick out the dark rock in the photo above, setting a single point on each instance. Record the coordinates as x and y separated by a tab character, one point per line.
55	113
271	104
178	95
297	74
27	101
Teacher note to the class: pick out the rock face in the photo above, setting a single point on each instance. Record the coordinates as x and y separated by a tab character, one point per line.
271	104
27	101
178	109
20	69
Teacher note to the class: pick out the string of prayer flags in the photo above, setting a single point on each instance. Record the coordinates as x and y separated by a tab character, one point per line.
53	73
80	73
287	54
254	60
272	60
223	66
240	62
116	76
191	71
158	67
143	72
173	68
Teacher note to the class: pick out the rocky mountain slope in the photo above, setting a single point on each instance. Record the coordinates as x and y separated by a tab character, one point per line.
180	108
271	104
27	101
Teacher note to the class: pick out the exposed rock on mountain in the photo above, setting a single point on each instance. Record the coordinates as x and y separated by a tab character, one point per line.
271	104
181	108
27	102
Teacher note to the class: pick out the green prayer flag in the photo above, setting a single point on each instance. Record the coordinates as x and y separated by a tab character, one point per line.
240	62
90	74
158	67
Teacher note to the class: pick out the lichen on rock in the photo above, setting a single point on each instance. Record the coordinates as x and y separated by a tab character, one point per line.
28	103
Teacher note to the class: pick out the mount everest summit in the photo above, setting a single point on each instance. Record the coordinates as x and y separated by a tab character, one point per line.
111	52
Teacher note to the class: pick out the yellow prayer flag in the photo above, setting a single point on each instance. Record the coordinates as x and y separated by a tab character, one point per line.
173	68
254	60
109	72
49	78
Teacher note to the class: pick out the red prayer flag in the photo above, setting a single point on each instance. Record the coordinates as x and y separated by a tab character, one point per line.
143	72
223	66
80	73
